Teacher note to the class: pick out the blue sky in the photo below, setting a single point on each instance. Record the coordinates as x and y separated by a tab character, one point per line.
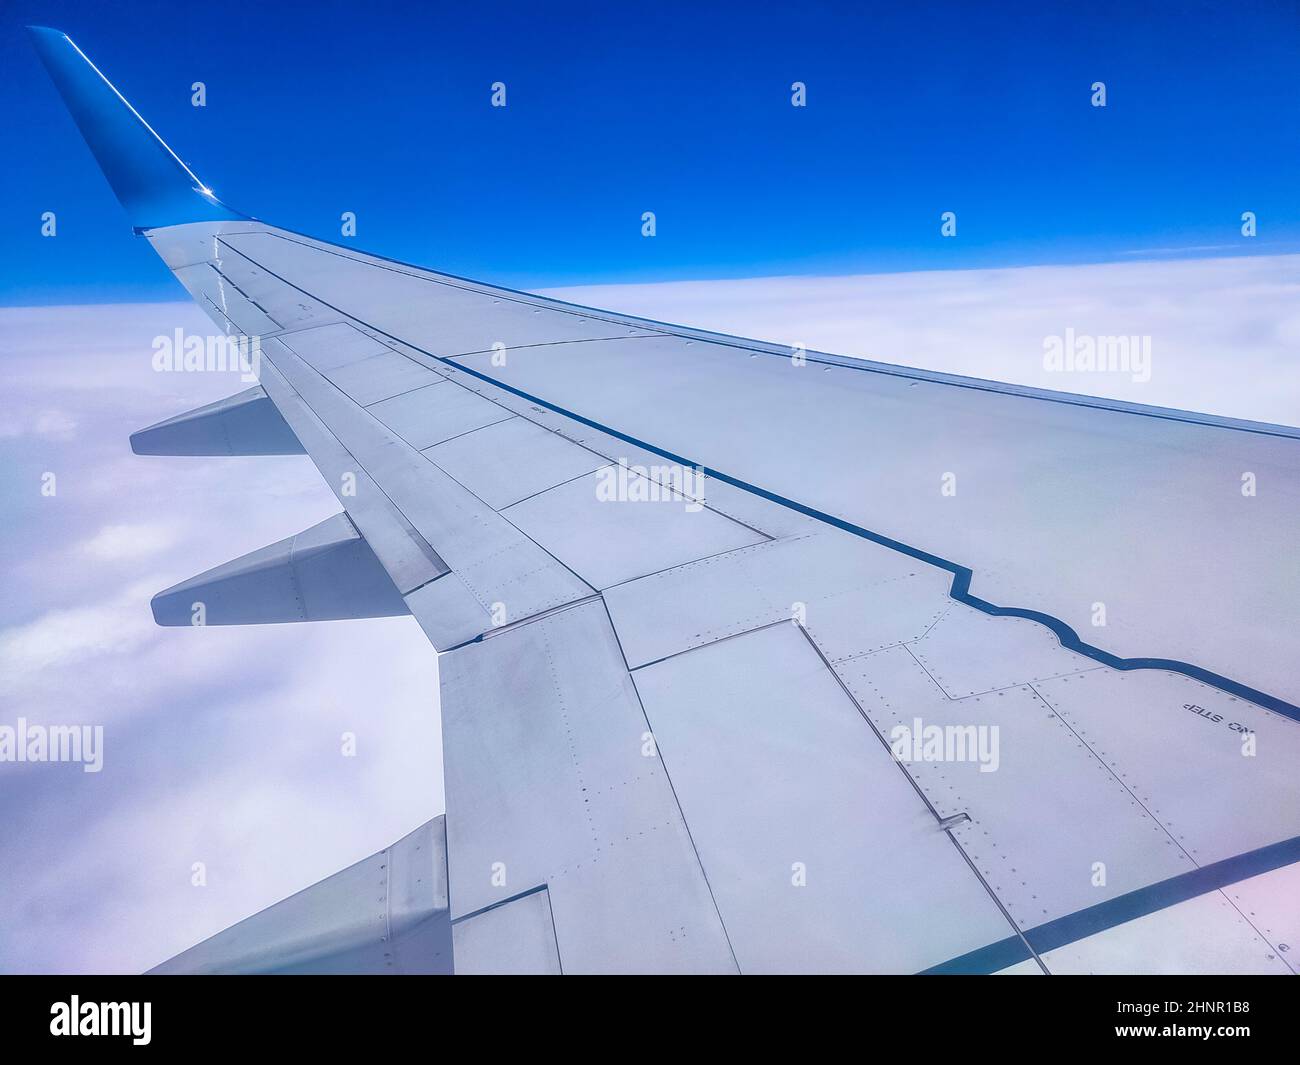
684	110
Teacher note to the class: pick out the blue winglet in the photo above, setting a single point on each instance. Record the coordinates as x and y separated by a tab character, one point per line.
149	179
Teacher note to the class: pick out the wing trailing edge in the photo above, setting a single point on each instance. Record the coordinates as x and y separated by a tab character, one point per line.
387	914
244	424
325	573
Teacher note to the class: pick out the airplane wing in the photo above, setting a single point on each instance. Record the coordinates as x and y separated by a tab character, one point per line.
752	659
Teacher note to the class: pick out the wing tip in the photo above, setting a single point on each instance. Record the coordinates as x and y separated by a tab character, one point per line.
149	179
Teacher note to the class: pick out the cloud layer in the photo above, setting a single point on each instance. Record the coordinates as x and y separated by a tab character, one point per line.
1224	332
221	745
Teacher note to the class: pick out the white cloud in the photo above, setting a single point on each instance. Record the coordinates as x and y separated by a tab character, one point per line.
220	744
128	541
63	638
43	424
1223	331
